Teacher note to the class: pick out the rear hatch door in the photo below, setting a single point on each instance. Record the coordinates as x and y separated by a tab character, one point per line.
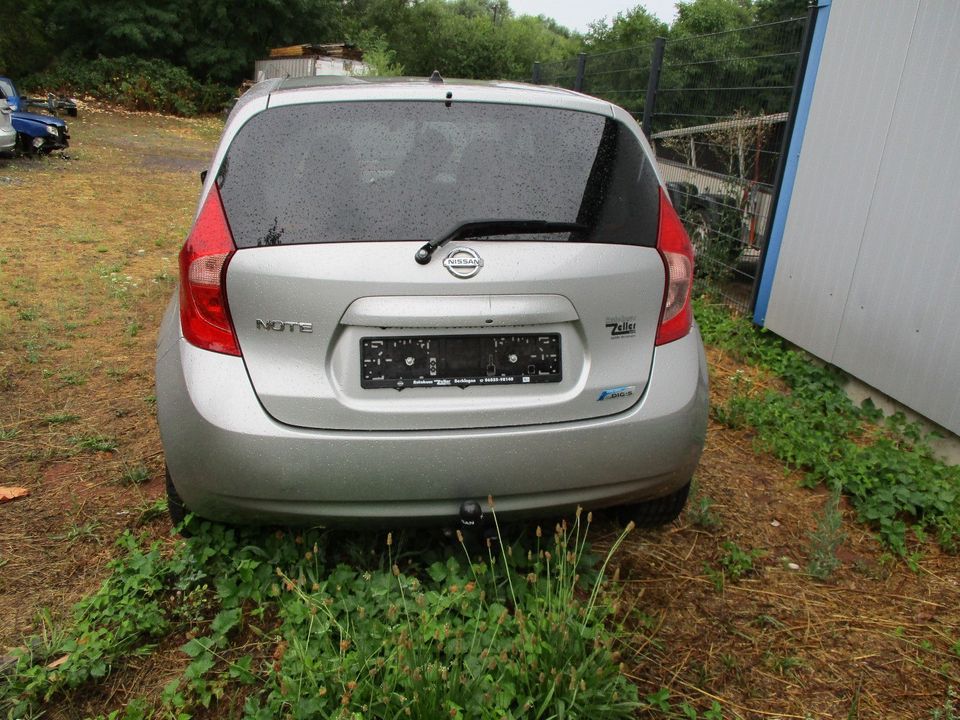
340	327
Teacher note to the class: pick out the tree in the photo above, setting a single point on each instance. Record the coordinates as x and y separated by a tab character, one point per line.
474	39
24	44
226	39
700	17
628	29
217	41
214	40
768	11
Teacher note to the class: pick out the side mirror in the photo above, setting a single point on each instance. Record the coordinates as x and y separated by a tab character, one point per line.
203	176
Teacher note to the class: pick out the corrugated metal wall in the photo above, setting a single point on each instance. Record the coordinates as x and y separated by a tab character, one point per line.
284	67
306	67
868	276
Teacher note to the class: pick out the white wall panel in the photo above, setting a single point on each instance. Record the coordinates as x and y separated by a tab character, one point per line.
863	55
868	276
901	326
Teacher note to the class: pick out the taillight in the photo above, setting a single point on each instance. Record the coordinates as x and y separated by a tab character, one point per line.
676	316
204	315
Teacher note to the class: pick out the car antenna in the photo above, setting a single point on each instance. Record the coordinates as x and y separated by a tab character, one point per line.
436	77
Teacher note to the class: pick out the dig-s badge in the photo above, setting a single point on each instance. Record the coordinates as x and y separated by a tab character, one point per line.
618	392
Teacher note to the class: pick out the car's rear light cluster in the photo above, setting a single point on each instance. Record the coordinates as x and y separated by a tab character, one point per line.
204	313
676	316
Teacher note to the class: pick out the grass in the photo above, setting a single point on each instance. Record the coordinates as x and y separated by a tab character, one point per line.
826	539
135	475
700	510
282	622
71	377
60	418
950	710
93	443
85	532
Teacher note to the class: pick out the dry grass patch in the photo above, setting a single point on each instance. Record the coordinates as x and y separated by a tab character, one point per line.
84	276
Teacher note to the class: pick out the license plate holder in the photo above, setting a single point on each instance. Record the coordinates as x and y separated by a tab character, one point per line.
401	362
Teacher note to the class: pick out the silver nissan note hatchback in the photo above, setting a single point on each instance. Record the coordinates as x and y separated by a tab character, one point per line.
401	297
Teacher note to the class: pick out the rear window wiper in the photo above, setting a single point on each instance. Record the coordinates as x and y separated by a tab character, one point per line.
481	228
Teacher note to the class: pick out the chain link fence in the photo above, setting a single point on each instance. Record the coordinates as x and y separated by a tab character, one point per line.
561	73
717	109
621	76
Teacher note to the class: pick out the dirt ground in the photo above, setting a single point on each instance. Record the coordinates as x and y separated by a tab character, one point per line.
87	261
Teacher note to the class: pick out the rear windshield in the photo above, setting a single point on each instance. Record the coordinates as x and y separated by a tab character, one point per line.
368	171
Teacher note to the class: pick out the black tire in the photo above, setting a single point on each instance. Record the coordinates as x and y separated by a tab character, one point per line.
175	507
29	149
656	512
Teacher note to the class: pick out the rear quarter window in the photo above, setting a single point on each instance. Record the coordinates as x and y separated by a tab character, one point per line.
379	171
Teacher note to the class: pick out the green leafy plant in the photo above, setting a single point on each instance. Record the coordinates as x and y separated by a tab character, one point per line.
72	377
715	576
887	468
136	475
737	562
87	532
700	510
113	622
950	710
473	631
149	510
379	58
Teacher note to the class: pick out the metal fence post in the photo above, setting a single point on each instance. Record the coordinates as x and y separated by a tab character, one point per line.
581	69
536	74
653	83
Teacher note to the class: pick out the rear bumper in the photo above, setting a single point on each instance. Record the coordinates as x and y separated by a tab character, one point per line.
231	461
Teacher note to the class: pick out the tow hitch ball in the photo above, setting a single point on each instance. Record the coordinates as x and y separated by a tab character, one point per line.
471	515
473	526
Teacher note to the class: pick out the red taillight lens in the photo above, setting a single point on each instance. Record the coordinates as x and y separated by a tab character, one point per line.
676	317
204	315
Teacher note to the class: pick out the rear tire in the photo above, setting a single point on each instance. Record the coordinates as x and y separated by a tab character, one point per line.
175	507
656	512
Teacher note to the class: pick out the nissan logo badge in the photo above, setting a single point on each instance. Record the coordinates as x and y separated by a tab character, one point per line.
463	262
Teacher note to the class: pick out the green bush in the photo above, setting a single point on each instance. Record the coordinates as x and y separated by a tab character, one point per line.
134	84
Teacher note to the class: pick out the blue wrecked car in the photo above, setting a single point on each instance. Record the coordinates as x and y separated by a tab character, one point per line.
35	132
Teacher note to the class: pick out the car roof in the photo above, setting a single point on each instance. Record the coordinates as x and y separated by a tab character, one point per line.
332	88
374	81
